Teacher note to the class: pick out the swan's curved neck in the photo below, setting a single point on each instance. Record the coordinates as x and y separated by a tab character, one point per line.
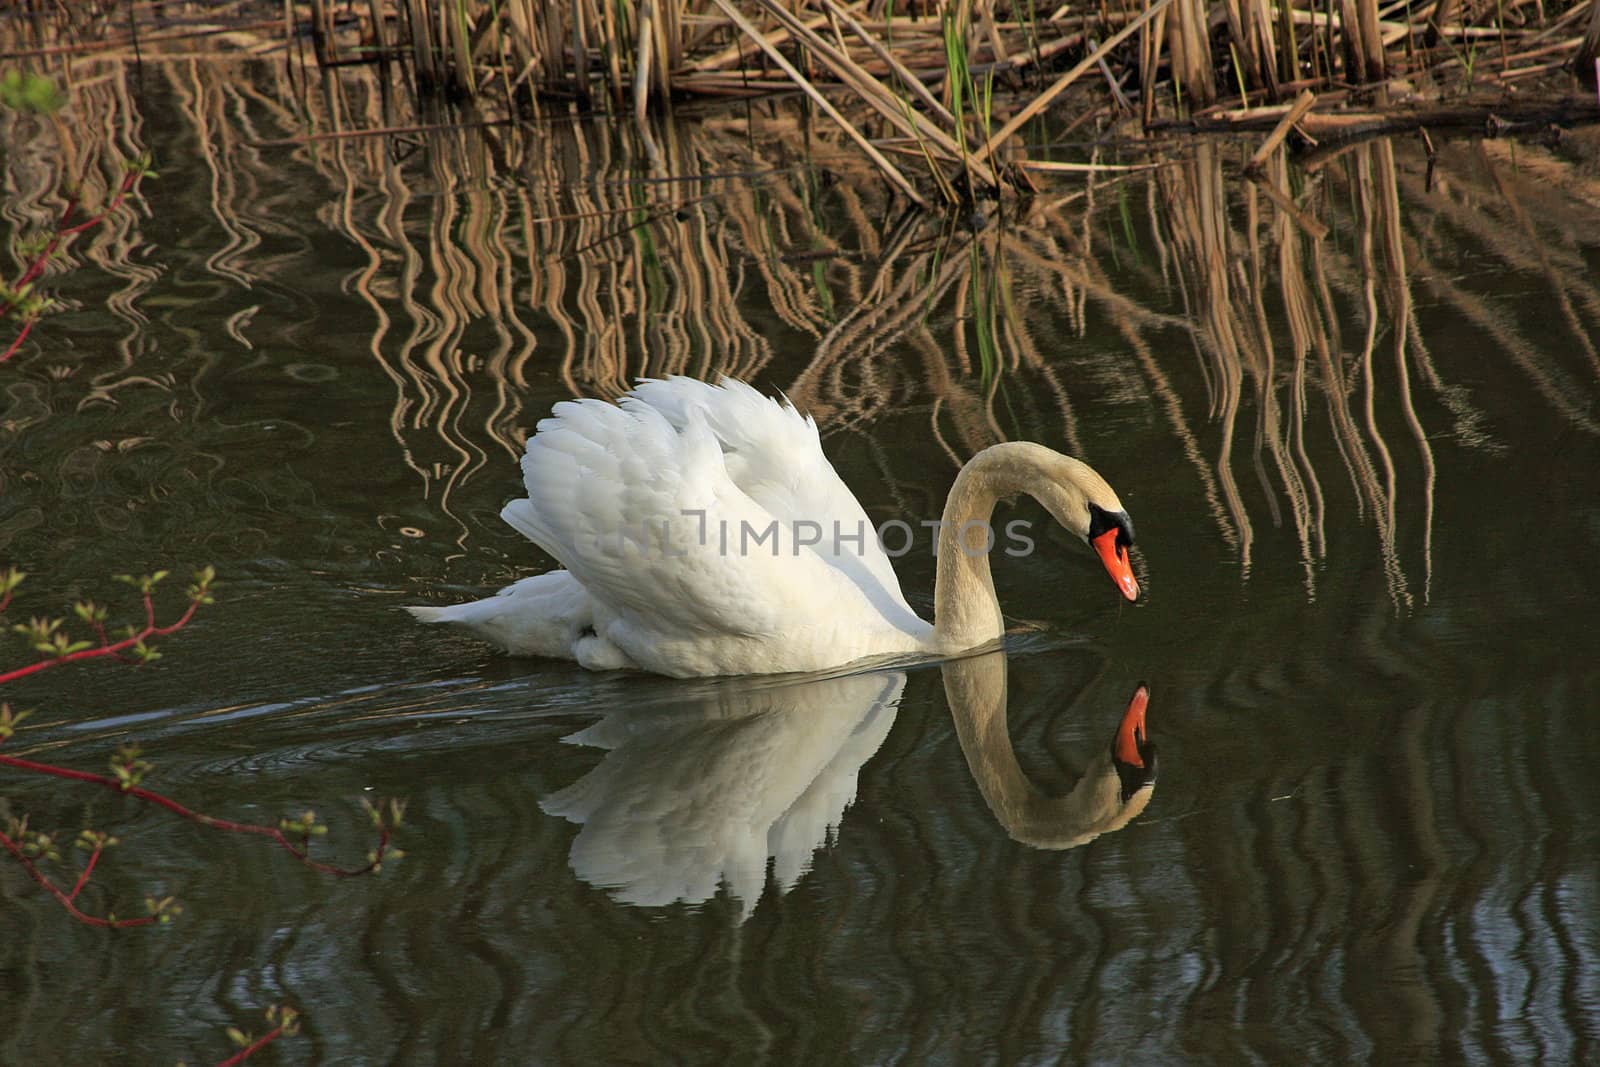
966	613
976	690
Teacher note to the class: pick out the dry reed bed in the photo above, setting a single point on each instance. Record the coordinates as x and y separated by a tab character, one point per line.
936	94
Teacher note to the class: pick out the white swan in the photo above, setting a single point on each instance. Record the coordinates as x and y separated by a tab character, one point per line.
703	532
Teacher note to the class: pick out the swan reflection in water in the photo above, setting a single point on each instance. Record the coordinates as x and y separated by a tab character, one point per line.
1113	790
688	799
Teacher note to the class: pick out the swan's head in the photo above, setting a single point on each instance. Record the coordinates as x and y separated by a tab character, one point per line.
1081	501
1133	754
1071	490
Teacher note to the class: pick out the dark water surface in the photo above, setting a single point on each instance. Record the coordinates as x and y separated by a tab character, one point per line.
1363	472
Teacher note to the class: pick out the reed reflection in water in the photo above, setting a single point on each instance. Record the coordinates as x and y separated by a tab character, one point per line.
1358	436
482	258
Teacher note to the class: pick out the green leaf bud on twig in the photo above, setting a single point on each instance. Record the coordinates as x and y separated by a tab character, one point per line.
38	845
395	814
90	612
10	578
285	1018
305	823
94	840
9	720
200	590
164	909
145	583
128	768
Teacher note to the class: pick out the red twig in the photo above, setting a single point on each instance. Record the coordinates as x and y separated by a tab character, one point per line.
127	767
203	819
67	900
83	878
63	230
255	1046
150	630
22	336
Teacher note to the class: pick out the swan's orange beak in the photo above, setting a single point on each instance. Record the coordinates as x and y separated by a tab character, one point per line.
1130	735
1115	558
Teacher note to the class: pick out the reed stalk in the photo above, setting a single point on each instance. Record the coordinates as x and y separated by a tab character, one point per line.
1587	61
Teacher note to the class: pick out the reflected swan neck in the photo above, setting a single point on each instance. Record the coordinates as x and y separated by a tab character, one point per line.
976	691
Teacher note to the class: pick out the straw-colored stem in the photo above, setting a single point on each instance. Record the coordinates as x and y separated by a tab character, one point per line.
889	169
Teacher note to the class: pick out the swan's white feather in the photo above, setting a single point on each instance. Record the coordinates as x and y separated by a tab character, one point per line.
774	454
678	514
539	616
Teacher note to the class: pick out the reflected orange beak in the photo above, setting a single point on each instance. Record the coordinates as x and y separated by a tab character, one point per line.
1115	558
1131	733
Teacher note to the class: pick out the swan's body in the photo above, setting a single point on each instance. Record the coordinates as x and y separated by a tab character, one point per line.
703	532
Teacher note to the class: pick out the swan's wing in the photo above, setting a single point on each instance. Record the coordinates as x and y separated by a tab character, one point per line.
644	515
774	454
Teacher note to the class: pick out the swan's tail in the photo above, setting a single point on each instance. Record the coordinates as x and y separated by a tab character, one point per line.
540	616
